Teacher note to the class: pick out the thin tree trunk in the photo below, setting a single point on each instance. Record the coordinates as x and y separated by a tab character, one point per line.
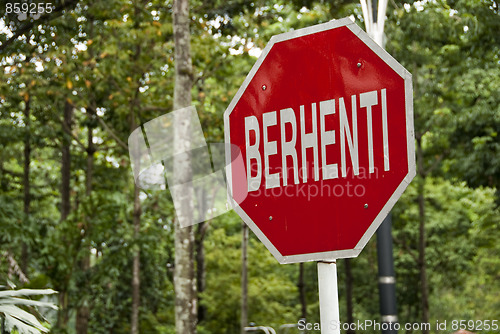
244	278
348	294
424	290
302	292
26	181
83	312
136	261
62	314
66	162
184	280
200	267
136	282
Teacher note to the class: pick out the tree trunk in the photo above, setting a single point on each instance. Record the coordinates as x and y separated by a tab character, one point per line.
348	294
66	162
136	282
136	262
244	278
26	181
62	313
424	290
302	292
200	267
83	312
184	281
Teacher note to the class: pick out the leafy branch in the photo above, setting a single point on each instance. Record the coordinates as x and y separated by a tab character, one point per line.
44	18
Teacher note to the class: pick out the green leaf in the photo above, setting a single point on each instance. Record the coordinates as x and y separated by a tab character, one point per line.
26	292
24	321
19	301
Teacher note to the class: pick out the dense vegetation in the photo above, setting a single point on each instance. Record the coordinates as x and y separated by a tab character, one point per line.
76	82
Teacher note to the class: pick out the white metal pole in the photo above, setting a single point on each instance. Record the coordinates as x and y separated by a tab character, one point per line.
328	298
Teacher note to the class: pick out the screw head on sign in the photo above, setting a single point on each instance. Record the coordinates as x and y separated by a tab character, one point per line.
270	217
366	206
359	65
264	87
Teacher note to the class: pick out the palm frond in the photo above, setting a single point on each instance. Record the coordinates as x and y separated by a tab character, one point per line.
26	292
16	317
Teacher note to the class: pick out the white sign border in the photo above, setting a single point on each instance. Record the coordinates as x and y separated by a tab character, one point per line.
410	135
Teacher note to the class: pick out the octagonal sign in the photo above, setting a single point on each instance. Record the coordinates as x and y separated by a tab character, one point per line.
324	121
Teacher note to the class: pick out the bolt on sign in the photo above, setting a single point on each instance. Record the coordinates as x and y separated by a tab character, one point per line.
324	121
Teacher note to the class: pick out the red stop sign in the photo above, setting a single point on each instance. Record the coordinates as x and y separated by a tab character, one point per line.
324	121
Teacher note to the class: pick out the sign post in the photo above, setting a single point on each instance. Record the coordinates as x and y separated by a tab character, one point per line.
324	122
328	298
374	16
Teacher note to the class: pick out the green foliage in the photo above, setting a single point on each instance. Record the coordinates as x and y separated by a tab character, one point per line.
272	291
456	216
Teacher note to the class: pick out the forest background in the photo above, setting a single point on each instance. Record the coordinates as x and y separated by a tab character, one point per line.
76	82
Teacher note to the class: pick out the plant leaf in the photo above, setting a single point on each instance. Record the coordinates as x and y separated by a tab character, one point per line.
23	328
26	292
19	301
11	311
